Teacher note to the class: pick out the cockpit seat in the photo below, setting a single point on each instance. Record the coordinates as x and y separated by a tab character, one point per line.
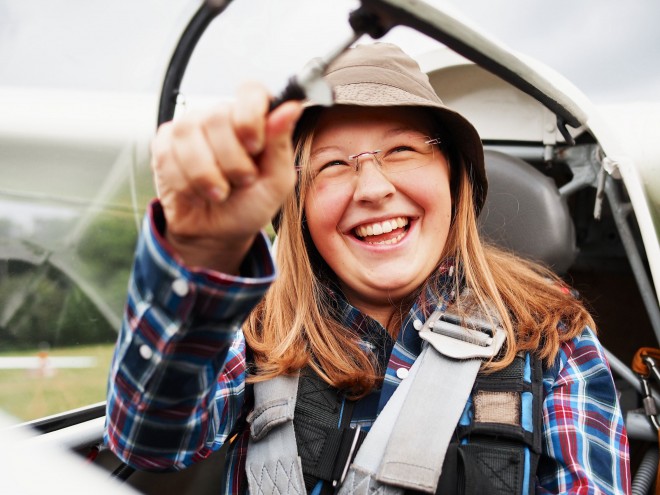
525	213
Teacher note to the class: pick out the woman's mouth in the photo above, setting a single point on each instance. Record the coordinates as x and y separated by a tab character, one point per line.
388	231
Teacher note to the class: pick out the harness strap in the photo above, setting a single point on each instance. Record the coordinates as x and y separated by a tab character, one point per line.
324	437
406	445
408	440
422	438
273	465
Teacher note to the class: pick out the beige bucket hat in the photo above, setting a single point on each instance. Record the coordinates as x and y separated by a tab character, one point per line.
382	75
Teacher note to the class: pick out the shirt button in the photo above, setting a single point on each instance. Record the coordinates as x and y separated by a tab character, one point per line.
402	373
146	352
180	287
417	324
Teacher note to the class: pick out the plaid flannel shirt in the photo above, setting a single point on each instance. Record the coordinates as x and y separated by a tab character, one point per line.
177	382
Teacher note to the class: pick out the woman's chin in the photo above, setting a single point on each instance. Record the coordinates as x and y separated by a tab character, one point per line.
385	291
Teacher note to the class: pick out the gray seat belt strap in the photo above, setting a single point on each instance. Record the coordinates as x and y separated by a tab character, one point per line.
406	445
424	427
370	454
273	465
360	478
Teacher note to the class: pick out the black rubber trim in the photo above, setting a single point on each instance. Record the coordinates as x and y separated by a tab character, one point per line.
181	56
66	419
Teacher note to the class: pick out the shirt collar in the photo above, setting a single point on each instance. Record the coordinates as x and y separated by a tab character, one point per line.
437	292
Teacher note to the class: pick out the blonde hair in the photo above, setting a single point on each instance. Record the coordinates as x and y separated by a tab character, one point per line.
294	327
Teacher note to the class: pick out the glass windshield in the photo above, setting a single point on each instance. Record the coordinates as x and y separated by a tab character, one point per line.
78	87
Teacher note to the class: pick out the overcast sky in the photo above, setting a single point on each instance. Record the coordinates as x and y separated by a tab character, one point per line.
608	48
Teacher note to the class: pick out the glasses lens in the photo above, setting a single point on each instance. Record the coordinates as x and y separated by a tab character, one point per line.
416	152
398	154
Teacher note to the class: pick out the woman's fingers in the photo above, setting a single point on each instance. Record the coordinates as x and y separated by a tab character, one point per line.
232	159
183	146
248	116
167	174
277	157
174	191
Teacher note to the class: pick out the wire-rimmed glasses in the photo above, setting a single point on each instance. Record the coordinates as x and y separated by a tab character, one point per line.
397	155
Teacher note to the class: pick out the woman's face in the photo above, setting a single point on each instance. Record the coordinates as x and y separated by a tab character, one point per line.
381	230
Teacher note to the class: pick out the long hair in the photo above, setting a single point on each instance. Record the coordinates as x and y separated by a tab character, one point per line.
293	326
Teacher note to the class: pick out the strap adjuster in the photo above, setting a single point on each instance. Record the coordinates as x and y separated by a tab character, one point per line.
467	338
355	443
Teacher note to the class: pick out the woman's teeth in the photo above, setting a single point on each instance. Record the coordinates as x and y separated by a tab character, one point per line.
385	227
393	240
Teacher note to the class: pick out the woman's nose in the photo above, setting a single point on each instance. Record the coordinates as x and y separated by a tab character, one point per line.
371	184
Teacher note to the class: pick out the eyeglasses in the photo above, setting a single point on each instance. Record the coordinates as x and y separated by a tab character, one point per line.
400	154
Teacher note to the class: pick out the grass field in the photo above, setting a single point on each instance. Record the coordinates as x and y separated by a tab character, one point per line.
27	395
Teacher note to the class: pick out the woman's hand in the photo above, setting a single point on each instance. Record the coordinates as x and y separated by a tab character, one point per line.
222	176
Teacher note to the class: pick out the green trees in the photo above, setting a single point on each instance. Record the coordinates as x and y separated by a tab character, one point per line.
71	297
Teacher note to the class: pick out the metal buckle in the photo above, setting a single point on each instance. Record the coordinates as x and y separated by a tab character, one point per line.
349	458
470	338
650	407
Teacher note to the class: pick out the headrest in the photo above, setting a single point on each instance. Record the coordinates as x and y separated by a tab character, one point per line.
525	213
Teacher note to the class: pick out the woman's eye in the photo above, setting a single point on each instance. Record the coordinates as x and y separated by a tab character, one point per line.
332	163
400	149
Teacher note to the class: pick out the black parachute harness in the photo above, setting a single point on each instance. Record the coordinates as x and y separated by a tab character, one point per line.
496	445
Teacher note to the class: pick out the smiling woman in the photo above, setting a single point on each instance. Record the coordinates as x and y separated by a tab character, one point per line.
387	304
383	285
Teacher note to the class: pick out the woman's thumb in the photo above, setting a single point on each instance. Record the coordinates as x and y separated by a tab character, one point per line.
278	151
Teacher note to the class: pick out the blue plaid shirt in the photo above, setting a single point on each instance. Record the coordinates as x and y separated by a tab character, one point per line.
177	382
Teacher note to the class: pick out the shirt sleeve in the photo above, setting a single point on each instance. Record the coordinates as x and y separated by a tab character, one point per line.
585	446
177	377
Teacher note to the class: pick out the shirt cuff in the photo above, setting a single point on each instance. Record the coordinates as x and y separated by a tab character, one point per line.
195	293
